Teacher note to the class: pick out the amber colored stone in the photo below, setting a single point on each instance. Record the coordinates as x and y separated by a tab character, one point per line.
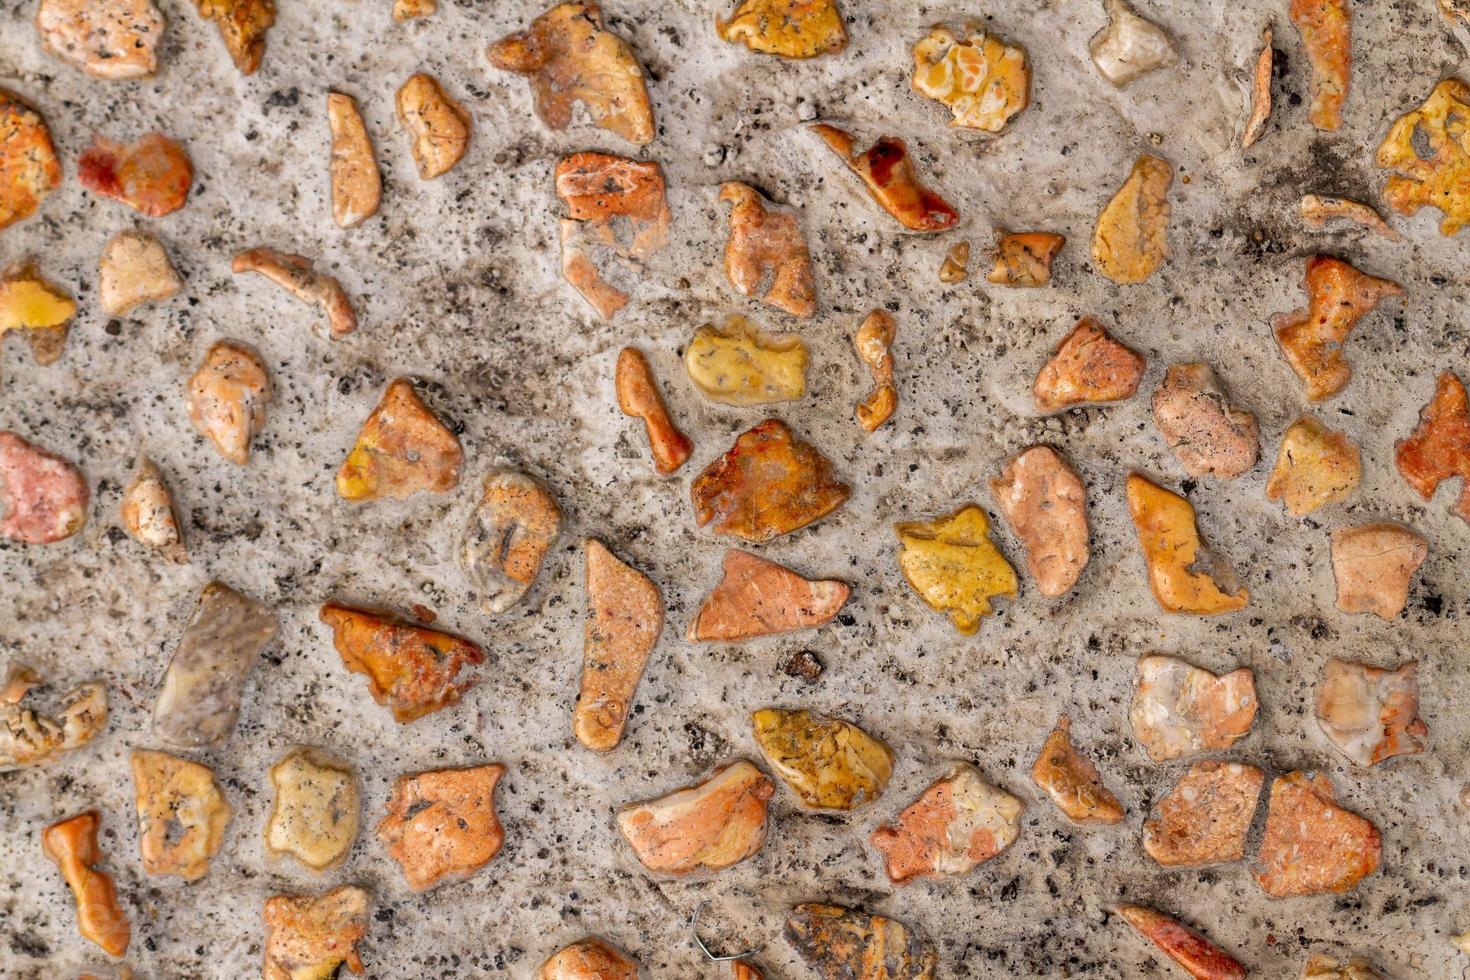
740	364
182	814
712	825
29	169
411	669
786	28
830	764
845	944
1089	366
357	183
983	81
874	345
1321	967
308	937
615	204
1204	817
1024	258
639	397
588	959
956	264
1438	175
402	449
1199	957
1180	709
71	845
887	171
1314	467
767	249
625	614
1185	575
242	25
441	825
768	484
1044	501
1369	713
956	824
757	597
1260	111
1072	781
1439	448
38	308
1131	238
1373	565
1312	340
1326	30
1313	846
576	65
438	126
954	566
152	175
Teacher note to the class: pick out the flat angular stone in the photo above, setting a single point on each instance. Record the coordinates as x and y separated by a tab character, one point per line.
625	616
617	215
1373	565
357	183
578	69
314	817
844	944
402	449
310	936
1326	30
43	498
1314	467
1180	709
830	764
1089	367
200	697
134	269
1131	239
1072	781
740	364
954	566
956	824
438	126
1184	573
511	530
182	814
1369	713
1439	448
242	25
113	39
1046	504
29	169
1207	434
1312	846
31	739
588	959
766	255
887	171
1199	957
71	845
411	669
712	825
1312	340
1130	46
768	484
227	399
147	513
786	28
757	597
441	825
1204	817
38	308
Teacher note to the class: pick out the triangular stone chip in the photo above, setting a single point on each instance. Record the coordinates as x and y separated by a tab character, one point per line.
402	449
758	598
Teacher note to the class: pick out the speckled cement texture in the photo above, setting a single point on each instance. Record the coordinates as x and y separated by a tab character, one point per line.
457	285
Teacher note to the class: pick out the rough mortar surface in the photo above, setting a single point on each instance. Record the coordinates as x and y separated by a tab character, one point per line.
457	285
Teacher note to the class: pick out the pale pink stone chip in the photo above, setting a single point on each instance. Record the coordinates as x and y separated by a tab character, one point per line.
43	498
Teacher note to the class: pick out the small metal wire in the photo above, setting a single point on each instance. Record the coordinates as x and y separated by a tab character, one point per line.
694	928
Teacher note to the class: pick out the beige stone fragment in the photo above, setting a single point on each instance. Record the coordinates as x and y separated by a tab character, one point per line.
438	126
1204	817
588	959
1045	502
1072	781
1373	565
295	274
227	399
310	937
1207	434
147	513
1321	967
1180	709
874	345
182	814
712	825
1130	46
112	39
958	823
314	817
1318	210
357	184
625	616
1260	108
134	269
511	530
1314	467
956	264
1369	713
757	597
1131	240
31	739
